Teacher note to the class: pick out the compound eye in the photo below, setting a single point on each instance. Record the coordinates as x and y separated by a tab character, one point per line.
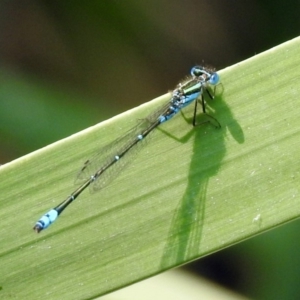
197	71
214	78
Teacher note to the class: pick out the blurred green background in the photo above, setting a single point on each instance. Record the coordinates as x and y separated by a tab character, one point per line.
67	65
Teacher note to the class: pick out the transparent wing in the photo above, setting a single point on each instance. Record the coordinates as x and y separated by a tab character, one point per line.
106	155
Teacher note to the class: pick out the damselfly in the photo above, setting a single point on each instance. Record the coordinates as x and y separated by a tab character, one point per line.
101	168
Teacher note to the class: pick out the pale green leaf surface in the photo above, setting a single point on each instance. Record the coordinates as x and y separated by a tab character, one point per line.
189	192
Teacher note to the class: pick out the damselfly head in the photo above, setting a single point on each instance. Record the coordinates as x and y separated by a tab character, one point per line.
205	74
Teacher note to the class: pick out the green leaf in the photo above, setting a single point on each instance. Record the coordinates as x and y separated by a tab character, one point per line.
189	192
